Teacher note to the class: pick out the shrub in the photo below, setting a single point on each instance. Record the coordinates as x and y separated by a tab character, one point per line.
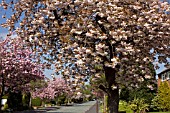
162	100
123	106
142	92
138	105
36	102
155	104
61	99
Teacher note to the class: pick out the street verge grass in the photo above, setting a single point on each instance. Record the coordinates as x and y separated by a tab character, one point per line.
159	112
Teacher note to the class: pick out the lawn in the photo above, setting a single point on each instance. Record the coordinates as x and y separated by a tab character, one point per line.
160	112
123	106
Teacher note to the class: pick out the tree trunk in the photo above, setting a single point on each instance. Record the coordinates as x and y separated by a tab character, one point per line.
30	101
2	92
1	95
30	105
112	90
0	104
113	101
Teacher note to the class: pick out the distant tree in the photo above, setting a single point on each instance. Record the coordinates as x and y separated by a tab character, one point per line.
34	85
163	96
54	88
17	68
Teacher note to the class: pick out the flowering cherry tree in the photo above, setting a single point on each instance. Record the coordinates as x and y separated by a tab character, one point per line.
53	88
16	66
120	36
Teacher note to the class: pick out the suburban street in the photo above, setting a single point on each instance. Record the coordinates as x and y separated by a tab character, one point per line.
76	108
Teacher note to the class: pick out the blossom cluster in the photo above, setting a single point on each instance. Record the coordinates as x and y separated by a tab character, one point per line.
17	68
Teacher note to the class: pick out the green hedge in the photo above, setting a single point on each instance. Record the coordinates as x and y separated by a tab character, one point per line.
61	99
36	102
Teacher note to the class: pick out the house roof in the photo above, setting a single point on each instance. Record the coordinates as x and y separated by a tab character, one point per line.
168	69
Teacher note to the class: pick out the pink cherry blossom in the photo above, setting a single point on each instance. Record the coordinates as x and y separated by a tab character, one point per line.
53	89
17	68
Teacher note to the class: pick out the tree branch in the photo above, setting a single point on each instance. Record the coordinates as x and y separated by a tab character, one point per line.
103	88
104	30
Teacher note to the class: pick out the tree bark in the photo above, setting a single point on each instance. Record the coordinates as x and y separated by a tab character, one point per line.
112	90
2	92
30	100
113	101
0	104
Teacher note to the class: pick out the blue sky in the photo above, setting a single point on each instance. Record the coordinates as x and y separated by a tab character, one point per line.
4	31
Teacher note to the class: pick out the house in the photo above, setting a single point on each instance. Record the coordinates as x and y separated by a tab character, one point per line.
164	76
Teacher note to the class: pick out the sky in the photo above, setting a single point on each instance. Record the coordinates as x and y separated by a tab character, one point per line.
4	31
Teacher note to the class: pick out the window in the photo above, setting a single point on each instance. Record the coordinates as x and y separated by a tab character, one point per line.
167	75
163	77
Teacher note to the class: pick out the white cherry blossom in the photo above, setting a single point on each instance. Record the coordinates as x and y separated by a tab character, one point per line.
86	33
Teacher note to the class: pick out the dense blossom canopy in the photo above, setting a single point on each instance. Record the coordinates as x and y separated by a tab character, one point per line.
16	66
125	35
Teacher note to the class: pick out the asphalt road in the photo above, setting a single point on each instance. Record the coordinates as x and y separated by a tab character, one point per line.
76	108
